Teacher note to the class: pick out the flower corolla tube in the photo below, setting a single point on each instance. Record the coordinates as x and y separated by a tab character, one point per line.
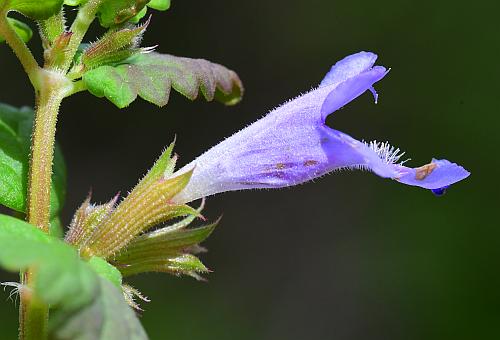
292	144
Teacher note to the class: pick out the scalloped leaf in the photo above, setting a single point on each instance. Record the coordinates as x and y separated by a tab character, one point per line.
151	76
23	30
15	139
35	9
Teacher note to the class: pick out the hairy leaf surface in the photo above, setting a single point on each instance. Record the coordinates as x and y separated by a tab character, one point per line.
15	131
151	76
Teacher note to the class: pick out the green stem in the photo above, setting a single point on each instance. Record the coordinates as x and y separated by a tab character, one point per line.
19	47
79	28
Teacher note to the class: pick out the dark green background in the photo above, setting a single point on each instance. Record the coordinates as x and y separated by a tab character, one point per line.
350	256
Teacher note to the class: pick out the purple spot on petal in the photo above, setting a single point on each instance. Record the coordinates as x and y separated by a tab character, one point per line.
310	162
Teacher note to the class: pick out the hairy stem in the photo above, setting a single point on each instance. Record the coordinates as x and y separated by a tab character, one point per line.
20	49
86	14
33	313
54	87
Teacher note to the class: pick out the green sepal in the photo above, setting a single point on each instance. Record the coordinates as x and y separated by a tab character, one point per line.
151	77
162	241
177	264
52	28
34	9
56	54
86	219
163	168
114	46
145	207
15	140
22	30
169	249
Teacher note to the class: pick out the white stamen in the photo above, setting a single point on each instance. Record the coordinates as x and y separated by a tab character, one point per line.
389	154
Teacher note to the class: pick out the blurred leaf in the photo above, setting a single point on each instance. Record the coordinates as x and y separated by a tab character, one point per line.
108	317
84	304
152	75
15	139
62	279
106	270
56	227
35	9
23	30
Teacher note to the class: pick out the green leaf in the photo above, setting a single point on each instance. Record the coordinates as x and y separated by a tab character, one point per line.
23	30
160	5
15	131
115	12
108	317
35	9
84	304
151	76
73	2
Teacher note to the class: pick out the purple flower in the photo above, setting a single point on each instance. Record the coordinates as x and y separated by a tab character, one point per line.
292	144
